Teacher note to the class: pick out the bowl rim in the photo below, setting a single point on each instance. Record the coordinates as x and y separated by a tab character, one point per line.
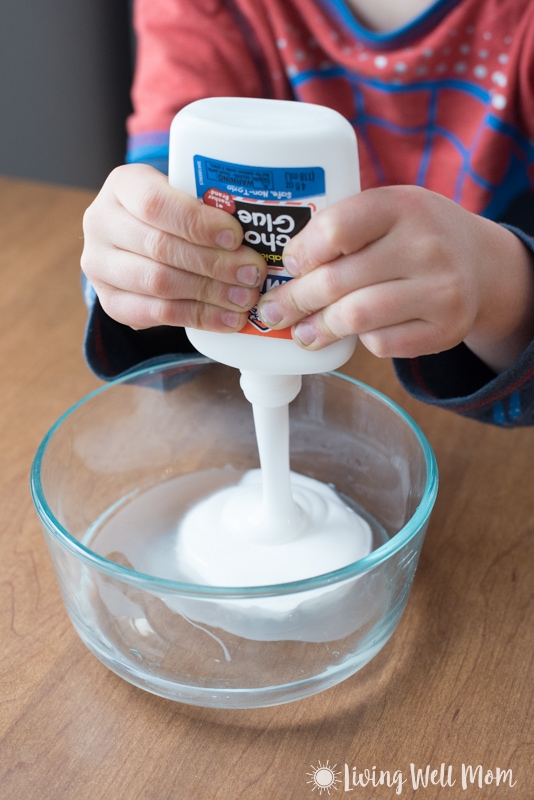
417	522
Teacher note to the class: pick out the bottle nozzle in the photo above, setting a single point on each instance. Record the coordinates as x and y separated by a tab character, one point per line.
270	391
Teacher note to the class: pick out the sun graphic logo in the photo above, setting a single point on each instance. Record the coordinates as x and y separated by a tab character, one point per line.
324	777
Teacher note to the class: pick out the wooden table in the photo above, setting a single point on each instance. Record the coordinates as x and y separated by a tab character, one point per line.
453	686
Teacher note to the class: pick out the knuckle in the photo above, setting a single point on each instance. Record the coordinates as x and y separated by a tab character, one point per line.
155	281
210	291
330	228
327	329
191	225
116	174
357	318
381	349
86	262
201	316
216	266
452	297
171	313
378	345
89	219
408	197
161	312
113	306
152	202
158	245
430	249
294	298
332	283
91	267
203	288
319	289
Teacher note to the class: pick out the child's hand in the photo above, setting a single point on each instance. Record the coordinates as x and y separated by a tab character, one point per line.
156	256
410	272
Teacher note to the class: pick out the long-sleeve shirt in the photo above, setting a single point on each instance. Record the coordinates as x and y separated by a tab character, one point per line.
445	102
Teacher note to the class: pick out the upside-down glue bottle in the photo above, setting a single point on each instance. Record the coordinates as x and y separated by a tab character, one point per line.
272	164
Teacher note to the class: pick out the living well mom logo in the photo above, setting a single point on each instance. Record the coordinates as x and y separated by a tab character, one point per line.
325	778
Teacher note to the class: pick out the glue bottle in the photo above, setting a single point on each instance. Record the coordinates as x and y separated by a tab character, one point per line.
272	164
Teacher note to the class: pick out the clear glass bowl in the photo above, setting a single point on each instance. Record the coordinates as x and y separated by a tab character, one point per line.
115	473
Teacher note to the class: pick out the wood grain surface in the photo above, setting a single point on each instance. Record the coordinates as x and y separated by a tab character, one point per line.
452	690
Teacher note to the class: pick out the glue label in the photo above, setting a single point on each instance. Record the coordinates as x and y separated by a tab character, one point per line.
272	204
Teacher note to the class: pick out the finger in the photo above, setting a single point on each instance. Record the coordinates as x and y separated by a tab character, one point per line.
146	194
138	275
409	339
116	219
130	238
364	310
388	261
345	227
241	266
395	319
287	304
417	337
141	311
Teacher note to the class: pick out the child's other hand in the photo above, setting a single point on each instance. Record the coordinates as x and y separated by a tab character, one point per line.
156	256
410	272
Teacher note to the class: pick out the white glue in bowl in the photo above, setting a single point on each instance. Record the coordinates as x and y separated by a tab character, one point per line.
117	472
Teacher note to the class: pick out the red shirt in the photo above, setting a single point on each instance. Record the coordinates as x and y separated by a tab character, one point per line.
446	102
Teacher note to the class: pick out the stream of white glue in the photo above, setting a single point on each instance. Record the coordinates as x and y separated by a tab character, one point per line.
275	526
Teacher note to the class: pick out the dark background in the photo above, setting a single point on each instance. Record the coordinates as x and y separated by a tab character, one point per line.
65	75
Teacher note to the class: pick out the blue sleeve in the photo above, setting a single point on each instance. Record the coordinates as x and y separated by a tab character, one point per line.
112	349
149	148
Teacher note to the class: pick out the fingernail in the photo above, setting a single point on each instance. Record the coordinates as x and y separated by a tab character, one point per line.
248	276
239	296
225	239
271	313
291	266
305	333
231	319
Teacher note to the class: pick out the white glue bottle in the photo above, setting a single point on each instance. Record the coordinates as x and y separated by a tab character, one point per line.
272	164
